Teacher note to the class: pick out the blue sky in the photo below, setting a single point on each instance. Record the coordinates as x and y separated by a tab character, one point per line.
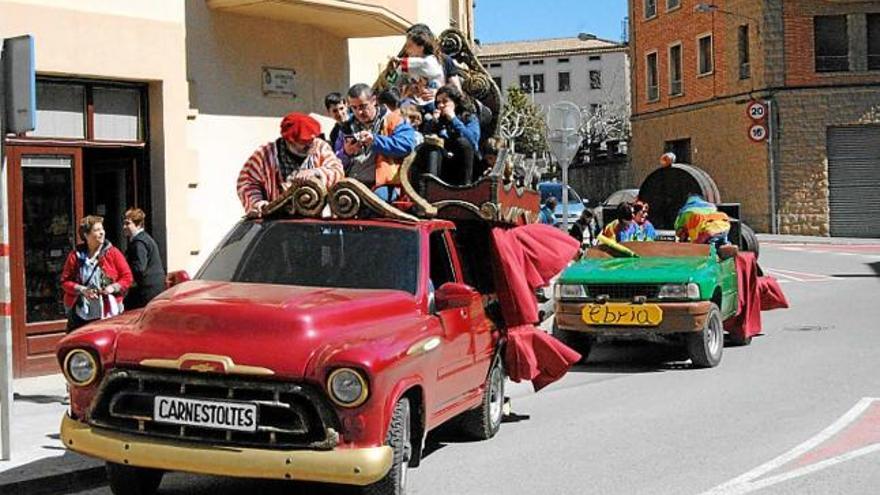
510	20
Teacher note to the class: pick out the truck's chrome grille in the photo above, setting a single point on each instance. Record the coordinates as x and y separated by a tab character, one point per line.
289	415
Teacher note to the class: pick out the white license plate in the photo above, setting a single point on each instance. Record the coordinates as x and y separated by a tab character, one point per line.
239	416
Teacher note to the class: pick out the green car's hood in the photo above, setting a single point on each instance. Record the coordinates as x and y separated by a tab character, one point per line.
652	270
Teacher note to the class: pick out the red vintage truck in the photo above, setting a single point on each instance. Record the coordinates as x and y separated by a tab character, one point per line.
305	349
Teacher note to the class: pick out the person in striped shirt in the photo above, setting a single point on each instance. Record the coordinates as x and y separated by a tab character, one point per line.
298	154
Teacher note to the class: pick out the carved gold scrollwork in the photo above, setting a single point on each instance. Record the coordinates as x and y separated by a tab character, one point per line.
344	199
349	197
309	197
421	204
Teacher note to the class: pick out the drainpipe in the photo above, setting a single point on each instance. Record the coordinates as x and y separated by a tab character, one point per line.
771	152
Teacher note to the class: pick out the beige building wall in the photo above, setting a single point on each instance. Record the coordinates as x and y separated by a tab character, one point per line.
203	68
229	115
136	40
742	176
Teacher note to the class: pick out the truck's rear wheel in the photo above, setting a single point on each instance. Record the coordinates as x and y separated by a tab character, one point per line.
706	346
398	438
131	480
483	422
579	341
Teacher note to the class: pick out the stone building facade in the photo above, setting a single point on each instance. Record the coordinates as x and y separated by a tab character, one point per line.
773	51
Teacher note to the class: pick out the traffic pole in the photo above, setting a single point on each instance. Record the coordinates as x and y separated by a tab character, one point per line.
5	294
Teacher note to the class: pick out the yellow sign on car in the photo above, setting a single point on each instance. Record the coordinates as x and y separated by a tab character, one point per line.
641	315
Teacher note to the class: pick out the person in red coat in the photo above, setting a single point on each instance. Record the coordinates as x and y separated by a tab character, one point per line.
95	276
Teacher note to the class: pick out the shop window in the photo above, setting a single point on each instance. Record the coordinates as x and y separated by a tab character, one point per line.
595	79
564	81
873	41
47	202
831	39
117	114
60	111
675	83
651	79
745	70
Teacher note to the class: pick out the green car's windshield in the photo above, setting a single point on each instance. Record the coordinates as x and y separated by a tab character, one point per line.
317	255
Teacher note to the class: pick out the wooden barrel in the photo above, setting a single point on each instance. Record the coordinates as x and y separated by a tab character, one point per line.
667	188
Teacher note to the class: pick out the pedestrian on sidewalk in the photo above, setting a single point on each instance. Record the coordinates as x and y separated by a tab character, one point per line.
95	276
142	254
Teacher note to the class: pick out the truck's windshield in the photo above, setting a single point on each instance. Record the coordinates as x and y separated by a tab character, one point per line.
317	255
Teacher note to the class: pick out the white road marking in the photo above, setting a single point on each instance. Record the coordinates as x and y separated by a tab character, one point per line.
746	483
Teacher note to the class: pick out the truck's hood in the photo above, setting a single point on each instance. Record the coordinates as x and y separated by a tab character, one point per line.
648	270
271	326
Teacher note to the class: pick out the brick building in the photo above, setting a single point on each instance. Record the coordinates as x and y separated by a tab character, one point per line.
696	66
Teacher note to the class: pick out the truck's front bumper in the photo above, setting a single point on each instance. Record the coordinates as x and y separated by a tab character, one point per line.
681	317
346	466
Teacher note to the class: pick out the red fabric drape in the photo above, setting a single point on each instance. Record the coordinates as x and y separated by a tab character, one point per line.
756	294
771	294
526	258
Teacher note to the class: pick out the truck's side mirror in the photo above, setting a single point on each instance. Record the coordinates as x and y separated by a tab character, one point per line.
175	278
454	295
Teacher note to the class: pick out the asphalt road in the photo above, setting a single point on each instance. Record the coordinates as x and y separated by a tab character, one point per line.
789	414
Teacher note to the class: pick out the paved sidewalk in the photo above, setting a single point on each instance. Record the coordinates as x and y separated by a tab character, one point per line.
40	464
806	239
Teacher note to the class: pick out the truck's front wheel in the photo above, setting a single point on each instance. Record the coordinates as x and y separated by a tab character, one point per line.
398	438
706	346
131	480
483	422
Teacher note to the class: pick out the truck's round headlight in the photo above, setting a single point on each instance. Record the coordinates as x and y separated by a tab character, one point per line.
347	387
80	367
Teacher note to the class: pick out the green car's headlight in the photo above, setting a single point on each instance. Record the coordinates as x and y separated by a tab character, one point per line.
679	291
347	387
80	367
569	291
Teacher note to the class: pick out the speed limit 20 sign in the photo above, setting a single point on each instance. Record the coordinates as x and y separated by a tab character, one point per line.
757	110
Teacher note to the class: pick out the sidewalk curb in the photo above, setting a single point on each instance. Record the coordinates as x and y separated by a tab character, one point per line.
72	481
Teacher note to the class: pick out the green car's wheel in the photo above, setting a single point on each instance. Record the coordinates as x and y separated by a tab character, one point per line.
579	341
706	347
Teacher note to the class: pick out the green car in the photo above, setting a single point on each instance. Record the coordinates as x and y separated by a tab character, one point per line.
677	291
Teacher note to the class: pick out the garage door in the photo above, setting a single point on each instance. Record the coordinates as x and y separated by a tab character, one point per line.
854	180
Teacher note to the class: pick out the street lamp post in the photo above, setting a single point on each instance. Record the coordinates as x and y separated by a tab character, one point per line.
563	123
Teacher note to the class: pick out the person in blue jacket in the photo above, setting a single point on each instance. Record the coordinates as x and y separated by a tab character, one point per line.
455	121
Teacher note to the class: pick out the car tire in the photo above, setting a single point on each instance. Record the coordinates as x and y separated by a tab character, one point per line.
131	480
748	239
398	438
484	422
579	341
706	347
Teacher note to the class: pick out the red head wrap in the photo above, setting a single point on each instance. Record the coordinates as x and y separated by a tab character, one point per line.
299	127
